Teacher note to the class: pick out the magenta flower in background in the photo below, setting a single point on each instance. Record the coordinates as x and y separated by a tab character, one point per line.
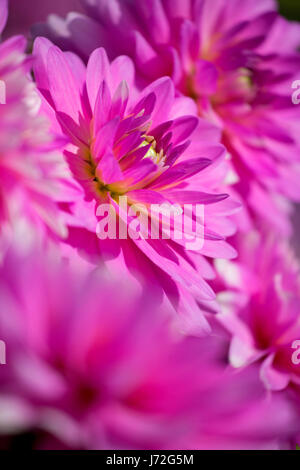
232	60
148	146
261	298
29	167
82	368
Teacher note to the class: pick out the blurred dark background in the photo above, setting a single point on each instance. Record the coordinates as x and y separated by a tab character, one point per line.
290	9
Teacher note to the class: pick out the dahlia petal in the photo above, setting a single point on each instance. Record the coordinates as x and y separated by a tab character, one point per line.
173	153
248	30
202	150
63	86
120	100
157	22
206	77
105	138
78	68
204	266
13	45
180	171
189	44
97	72
163	89
108	169
169	63
191	322
289	182
137	172
207	20
47	211
182	128
249	9
264	204
145	105
77	166
272	378
159	131
135	157
225	207
177	8
218	249
106	10
77	134
143	52
147	196
269	128
282	28
164	258
122	68
241	352
129	144
183	106
195	197
206	132
102	107
41	48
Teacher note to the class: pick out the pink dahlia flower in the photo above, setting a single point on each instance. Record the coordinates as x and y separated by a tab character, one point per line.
261	298
81	368
28	166
237	61
149	147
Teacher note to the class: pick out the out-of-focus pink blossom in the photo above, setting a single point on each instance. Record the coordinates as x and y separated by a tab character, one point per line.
100	371
261	298
237	61
148	146
29	169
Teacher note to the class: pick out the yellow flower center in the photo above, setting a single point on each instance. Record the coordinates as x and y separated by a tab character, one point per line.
157	157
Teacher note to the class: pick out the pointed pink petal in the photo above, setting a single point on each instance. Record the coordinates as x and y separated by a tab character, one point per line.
195	197
104	139
63	85
41	47
163	88
102	107
272	378
97	71
122	68
120	100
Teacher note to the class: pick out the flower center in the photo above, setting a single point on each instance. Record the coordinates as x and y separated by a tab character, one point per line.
115	189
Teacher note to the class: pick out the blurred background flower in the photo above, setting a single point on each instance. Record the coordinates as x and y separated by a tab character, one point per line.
262	311
30	167
87	369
